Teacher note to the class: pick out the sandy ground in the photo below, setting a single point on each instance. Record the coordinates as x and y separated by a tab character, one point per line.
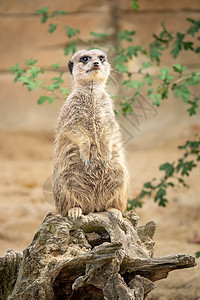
26	162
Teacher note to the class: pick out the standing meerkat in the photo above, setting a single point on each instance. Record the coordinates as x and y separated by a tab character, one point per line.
89	173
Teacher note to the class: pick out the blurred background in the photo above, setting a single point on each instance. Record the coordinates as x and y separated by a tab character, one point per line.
26	128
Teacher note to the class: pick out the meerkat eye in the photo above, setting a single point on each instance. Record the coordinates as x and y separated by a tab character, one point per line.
84	59
101	58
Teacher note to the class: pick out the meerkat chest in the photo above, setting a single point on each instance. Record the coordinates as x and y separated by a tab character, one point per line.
95	108
100	110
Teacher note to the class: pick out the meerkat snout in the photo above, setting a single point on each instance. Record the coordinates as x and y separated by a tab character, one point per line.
96	64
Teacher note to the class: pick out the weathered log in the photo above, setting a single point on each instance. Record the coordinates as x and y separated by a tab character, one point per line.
9	267
94	257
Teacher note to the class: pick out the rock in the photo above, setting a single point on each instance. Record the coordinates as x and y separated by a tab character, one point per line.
94	257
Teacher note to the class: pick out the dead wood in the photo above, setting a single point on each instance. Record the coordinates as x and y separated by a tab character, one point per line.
94	257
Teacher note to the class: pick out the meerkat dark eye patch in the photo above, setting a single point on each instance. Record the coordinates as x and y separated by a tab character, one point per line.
85	59
101	58
70	66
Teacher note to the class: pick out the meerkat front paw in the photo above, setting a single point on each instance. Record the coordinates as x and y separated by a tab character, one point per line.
75	213
116	213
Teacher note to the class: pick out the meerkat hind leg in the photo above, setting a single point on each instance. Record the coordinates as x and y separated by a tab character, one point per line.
75	213
116	212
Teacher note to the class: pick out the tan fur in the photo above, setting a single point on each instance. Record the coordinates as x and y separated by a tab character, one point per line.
89	170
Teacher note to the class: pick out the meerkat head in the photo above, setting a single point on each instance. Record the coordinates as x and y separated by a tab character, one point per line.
88	66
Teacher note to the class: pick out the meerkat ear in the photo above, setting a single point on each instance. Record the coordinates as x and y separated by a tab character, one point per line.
70	66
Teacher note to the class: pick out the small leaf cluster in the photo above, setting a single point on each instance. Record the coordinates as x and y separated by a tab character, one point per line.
175	79
29	77
174	174
134	4
45	14
69	31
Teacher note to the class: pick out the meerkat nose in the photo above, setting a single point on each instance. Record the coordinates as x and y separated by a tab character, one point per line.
96	64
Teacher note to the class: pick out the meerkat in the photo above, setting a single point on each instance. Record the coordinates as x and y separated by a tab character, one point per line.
89	172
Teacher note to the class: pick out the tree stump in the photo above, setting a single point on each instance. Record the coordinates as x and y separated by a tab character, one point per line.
95	257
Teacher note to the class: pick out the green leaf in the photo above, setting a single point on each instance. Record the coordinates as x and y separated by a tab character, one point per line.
160	193
56	66
119	63
126	35
185	167
182	92
30	62
70	48
133	84
126	108
17	71
44	12
156	99
154	54
42	99
163	91
133	203
33	71
14	68
175	51
177	44
64	91
164	37
164	75
44	19
163	202
192	110
144	194
52	28
133	51
134	4
70	32
57	80
197	254
194	28
188	46
164	72
148	185
197	50
184	146
148	79
50	100
180	180
52	87
178	68
194	144
59	12
168	168
99	35
146	64
116	112
193	80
